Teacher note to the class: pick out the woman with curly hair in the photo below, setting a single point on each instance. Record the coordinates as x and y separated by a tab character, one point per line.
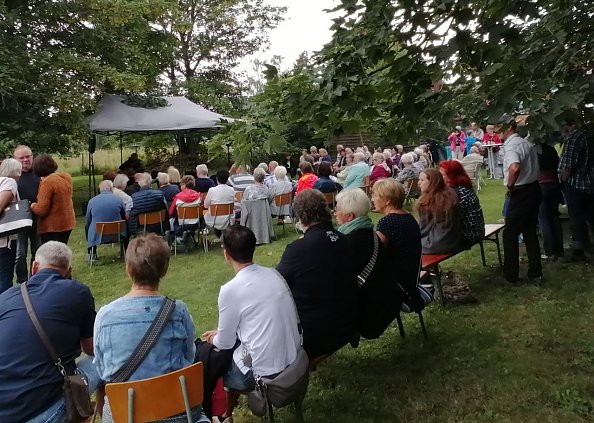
439	215
473	222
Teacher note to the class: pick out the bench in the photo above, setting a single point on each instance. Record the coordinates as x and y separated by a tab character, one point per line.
430	262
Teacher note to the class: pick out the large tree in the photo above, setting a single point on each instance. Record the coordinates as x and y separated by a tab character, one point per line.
58	57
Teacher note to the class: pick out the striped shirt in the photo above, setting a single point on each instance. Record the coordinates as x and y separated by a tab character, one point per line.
240	181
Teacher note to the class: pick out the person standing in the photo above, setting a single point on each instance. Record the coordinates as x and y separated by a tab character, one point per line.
520	167
28	187
457	141
10	171
576	171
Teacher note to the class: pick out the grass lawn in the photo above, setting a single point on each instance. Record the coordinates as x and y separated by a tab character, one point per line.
521	354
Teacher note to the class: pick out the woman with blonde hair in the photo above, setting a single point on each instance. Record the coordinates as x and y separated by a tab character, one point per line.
439	215
174	176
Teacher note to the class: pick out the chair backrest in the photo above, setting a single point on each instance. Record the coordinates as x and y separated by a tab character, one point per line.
110	228
330	198
366	181
190	212
158	397
411	185
283	199
152	218
221	209
238	196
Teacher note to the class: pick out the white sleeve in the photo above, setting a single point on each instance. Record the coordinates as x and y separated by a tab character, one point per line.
229	316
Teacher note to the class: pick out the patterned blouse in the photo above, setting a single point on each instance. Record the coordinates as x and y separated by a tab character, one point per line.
473	222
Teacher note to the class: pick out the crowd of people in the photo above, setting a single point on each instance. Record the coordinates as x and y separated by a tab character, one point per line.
330	287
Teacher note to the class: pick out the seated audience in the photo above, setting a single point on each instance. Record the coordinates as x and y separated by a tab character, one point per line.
324	156
324	183
202	183
307	178
400	234
145	201
408	170
174	176
186	197
388	160
168	189
221	194
240	179
30	382
320	273
10	172
423	162
379	169
134	187
344	170
257	190
439	215
379	298
255	308
270	177
54	208
471	161
110	175
281	186
121	325
473	222
105	207
357	173
120	183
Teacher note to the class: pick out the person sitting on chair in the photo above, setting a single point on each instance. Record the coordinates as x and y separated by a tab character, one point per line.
324	183
255	308
145	201
105	207
408	170
257	190
221	194
121	325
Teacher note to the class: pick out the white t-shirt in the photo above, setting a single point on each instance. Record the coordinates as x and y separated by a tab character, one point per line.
8	184
221	194
257	307
519	150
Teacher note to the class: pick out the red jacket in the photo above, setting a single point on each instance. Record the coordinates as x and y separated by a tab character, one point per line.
185	196
306	181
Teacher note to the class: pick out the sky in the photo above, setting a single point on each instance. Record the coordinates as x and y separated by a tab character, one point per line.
306	28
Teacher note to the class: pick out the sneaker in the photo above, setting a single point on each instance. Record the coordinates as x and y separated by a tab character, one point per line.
288	220
217	419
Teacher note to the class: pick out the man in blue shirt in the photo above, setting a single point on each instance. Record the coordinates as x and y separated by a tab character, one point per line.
145	201
30	383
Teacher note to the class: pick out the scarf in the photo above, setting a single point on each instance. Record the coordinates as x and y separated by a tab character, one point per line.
361	222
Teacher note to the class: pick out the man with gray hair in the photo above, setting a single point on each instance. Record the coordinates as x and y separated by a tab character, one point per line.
145	201
28	185
30	383
472	161
270	178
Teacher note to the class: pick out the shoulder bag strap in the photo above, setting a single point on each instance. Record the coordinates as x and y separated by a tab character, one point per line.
146	344
37	324
362	277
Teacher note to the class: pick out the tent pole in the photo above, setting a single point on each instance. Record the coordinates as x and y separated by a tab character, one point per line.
121	147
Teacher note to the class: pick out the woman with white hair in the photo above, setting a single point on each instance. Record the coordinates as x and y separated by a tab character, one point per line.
408	170
357	173
202	183
166	187
378	299
380	169
120	183
281	186
10	172
423	162
256	191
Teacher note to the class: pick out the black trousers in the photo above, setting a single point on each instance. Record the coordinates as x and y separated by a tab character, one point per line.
56	236
522	218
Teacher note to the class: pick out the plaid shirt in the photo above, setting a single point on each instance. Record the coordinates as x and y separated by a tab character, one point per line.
578	158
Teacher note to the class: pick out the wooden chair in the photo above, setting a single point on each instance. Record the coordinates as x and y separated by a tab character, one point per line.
330	199
158	397
191	212
117	227
282	200
238	196
411	189
225	209
367	186
153	218
421	274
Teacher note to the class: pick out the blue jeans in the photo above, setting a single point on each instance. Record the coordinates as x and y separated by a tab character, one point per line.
56	413
7	257
548	219
580	207
238	381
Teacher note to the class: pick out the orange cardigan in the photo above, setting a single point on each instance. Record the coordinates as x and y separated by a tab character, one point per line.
54	208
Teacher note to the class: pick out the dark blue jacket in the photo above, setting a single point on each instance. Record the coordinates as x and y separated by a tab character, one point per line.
144	201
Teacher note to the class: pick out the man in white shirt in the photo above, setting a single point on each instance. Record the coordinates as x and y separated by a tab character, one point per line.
221	194
520	166
257	309
471	161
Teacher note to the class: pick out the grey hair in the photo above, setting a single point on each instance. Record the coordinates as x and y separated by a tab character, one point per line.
359	157
280	172
120	181
399	148
54	253
378	156
11	168
387	154
106	185
353	201
163	178
259	174
407	159
201	169
419	151
263	166
144	180
474	149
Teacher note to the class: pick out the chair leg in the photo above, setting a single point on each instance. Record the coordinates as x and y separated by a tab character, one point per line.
439	289
498	250
422	322
400	326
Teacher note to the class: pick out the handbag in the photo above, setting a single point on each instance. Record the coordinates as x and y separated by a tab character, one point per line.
15	218
284	388
76	394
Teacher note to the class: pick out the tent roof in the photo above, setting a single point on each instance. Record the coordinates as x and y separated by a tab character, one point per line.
181	114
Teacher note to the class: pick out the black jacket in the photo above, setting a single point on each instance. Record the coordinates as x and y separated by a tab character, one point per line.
319	270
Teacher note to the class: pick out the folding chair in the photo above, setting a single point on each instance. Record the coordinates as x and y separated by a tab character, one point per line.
411	189
191	212
367	186
238	196
419	312
226	209
477	178
117	227
283	200
158	397
153	218
330	199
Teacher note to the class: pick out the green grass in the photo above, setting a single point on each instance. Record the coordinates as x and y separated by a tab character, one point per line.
521	354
